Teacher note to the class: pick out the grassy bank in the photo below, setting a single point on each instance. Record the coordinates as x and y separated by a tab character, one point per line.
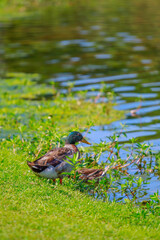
32	208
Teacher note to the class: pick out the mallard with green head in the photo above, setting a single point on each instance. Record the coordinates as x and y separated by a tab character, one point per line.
53	164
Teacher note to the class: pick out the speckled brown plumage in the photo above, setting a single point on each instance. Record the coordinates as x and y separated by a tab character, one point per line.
54	156
90	174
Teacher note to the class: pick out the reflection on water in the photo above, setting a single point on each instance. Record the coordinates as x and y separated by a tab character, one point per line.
115	45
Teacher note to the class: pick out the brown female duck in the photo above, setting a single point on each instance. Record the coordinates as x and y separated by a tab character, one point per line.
90	174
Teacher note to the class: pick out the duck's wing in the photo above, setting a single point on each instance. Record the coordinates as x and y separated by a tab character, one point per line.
54	157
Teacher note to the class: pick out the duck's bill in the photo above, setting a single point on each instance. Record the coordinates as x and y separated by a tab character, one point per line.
85	141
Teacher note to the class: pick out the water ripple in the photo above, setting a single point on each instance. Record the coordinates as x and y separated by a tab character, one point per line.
103	79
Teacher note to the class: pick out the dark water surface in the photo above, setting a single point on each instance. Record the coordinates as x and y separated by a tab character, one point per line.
114	44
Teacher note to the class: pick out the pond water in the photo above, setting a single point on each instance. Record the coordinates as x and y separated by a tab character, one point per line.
114	44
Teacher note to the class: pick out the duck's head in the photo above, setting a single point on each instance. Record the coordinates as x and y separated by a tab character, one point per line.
74	137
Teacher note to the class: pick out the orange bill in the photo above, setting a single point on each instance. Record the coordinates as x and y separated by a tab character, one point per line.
85	141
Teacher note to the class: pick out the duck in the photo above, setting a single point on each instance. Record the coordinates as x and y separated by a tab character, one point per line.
90	173
52	165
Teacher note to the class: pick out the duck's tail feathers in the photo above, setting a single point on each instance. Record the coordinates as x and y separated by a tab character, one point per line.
29	163
35	167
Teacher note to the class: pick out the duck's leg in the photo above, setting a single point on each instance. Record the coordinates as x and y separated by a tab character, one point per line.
54	181
60	181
